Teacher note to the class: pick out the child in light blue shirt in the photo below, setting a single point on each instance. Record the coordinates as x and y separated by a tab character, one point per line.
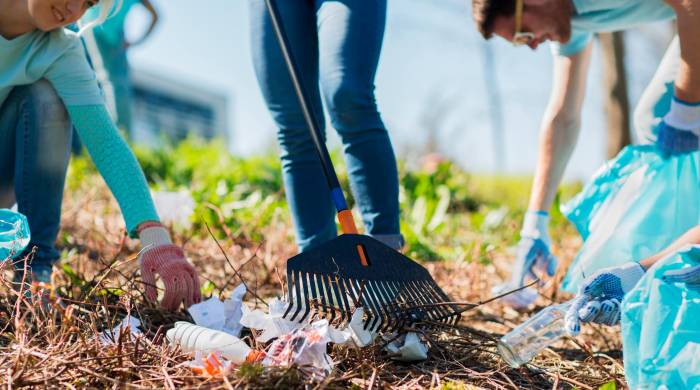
46	87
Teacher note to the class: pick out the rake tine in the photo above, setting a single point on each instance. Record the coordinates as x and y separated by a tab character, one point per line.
354	294
290	295
314	298
322	295
441	312
332	300
372	302
307	303
452	312
381	303
399	302
413	296
391	302
360	290
427	293
342	290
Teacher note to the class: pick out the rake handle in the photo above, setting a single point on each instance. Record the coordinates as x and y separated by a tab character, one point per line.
347	223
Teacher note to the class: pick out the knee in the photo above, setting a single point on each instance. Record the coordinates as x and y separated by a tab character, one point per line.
42	100
352	107
296	144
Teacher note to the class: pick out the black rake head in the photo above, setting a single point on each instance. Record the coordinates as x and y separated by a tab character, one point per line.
329	281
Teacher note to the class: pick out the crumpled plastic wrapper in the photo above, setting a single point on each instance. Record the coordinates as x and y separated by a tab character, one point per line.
407	348
304	347
224	316
128	325
661	328
272	324
635	206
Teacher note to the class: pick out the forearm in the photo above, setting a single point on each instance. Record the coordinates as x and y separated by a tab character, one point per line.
557	141
116	163
560	127
687	85
691	237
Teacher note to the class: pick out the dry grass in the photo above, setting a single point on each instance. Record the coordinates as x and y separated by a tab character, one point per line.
58	346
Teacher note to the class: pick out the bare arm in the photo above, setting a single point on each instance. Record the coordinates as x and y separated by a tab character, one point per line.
154	21
688	79
690	237
560	127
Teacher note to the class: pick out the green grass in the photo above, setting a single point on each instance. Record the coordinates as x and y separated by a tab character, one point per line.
446	213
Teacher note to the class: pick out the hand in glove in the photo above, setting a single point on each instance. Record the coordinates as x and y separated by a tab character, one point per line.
159	256
533	257
689	275
600	296
678	132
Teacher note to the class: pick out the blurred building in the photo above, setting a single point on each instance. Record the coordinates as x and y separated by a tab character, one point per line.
170	108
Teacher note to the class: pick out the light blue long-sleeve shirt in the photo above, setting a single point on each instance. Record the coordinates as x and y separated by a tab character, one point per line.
58	56
593	16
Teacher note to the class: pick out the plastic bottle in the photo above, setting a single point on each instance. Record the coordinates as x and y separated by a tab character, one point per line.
532	336
194	338
14	234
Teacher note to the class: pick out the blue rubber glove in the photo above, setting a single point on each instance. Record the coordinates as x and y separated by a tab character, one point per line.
678	132
690	275
600	295
533	258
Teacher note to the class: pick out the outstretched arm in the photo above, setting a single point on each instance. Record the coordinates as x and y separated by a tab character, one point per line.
560	127
154	21
126	180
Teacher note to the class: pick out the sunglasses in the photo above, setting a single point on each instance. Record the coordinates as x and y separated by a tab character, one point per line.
520	38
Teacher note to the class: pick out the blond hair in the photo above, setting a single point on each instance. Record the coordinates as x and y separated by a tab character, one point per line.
107	9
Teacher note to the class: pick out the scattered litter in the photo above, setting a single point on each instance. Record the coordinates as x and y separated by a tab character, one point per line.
14	234
193	338
407	348
304	347
128	325
211	365
272	324
174	208
660	332
224	316
494	218
360	336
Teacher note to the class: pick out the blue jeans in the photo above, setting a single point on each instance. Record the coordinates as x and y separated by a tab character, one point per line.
336	43
35	140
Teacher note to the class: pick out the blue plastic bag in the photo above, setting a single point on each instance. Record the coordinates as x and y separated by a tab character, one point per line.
661	329
14	234
636	205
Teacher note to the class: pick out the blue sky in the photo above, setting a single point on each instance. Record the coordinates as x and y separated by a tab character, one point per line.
430	82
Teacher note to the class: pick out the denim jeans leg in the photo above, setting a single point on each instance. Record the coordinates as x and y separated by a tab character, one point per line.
350	40
305	185
42	149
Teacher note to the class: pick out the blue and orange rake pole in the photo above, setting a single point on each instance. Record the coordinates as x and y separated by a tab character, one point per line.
347	222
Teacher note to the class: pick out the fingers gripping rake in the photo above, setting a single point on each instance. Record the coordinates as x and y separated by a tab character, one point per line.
353	270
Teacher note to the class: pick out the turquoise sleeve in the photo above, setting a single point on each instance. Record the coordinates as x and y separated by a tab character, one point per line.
578	41
116	163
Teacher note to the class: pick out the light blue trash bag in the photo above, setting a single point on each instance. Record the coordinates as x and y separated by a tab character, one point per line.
14	234
661	329
637	204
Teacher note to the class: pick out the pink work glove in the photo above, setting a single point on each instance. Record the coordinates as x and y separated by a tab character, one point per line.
161	257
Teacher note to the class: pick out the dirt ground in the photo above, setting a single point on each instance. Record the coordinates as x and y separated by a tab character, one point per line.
98	285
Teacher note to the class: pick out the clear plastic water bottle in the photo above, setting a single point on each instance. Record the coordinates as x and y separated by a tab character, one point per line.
543	329
14	234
